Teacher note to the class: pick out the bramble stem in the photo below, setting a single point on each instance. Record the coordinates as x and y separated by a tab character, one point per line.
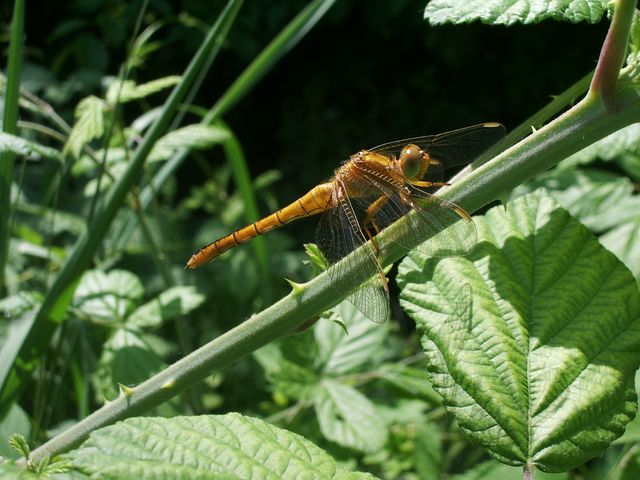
613	53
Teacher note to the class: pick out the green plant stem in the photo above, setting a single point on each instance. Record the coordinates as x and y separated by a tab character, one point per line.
613	53
535	121
528	471
15	374
9	121
585	123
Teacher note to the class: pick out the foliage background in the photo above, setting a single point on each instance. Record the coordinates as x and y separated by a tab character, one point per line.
369	72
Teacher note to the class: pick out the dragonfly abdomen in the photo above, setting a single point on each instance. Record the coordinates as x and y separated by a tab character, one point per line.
316	201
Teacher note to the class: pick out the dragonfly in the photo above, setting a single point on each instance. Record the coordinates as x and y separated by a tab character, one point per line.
370	191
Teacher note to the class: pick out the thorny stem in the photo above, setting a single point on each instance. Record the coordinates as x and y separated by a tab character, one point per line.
613	53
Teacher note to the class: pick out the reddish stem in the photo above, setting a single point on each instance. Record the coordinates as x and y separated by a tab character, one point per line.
613	53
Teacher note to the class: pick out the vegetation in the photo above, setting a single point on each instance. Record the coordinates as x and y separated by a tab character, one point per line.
128	126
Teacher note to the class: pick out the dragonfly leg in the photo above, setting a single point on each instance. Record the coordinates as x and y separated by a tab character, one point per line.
372	210
462	212
421	183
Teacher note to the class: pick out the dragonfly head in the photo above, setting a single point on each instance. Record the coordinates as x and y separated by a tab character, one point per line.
413	161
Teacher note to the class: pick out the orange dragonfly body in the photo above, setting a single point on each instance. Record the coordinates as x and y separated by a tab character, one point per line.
367	193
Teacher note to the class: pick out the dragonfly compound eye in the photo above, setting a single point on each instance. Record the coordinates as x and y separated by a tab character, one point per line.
411	160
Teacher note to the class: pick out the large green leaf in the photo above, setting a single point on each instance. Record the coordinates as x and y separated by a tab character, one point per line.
217	446
508	12
534	339
348	418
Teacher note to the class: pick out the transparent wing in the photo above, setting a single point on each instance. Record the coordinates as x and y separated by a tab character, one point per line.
446	231
457	147
337	235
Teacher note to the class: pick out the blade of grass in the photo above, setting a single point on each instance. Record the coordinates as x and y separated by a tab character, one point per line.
277	48
9	123
15	371
242	178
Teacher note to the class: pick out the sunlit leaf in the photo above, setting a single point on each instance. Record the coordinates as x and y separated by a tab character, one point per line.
508	12
108	296
221	446
194	137
122	92
534	340
22	146
90	124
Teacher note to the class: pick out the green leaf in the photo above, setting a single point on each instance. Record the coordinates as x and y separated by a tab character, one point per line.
624	241
90	121
19	303
508	12
108	296
216	446
493	470
193	137
122	92
126	359
348	418
22	146
624	142
532	341
601	200
16	421
342	352
289	365
428	451
169	304
410	379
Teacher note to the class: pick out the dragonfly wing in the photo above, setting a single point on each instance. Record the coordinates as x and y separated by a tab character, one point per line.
448	233
337	235
457	147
